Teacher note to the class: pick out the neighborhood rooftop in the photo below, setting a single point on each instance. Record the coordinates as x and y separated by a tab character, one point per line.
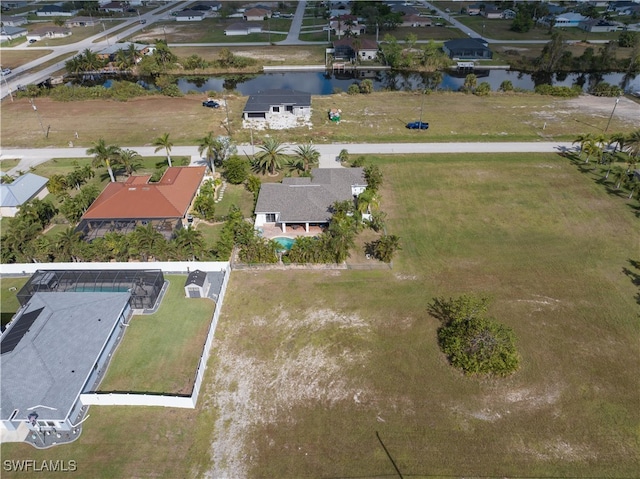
21	190
262	101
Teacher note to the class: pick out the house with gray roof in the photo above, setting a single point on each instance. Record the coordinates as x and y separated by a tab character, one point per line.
467	48
243	28
9	33
56	347
13	20
54	10
307	201
23	189
269	104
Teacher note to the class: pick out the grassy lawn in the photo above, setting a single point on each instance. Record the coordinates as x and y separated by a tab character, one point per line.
265	55
6	165
210	233
235	195
9	303
377	117
13	43
160	352
330	371
310	365
16	58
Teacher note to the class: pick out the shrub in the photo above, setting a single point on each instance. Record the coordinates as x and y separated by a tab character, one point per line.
473	342
506	86
236	170
562	91
483	89
353	89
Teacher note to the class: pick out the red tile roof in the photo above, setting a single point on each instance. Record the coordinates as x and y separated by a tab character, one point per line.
137	198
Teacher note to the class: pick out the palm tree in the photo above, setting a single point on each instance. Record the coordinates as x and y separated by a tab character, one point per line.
271	158
583	140
147	240
90	61
122	61
129	160
634	186
309	156
161	142
104	154
633	144
619	175
368	200
190	242
618	140
591	148
207	146
67	244
341	237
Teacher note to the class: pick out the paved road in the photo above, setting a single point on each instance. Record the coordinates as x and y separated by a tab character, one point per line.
31	157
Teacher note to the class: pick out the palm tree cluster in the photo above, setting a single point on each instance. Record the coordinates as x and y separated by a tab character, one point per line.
611	149
88	62
272	159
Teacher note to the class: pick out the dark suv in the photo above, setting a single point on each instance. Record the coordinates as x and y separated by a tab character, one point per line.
211	104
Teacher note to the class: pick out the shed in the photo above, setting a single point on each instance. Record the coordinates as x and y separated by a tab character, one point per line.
197	284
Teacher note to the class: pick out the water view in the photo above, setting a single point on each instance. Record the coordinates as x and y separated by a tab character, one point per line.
323	83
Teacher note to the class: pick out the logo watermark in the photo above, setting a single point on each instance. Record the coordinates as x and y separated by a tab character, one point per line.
31	465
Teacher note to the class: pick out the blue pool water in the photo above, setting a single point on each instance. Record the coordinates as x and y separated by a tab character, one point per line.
285	242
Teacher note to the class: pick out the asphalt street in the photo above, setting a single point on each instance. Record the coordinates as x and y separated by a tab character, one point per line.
31	157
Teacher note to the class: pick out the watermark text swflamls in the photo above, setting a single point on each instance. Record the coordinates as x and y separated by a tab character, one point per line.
31	465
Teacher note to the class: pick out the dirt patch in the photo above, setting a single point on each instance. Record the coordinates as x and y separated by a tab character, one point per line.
252	391
626	111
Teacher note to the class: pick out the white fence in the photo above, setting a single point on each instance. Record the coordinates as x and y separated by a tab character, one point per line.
133	399
113	399
24	269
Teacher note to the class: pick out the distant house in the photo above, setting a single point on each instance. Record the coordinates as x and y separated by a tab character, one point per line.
307	202
207	6
491	12
109	53
113	7
243	28
568	20
599	25
256	14
48	32
270	104
473	9
404	9
8	4
55	11
23	189
10	33
345	49
122	207
346	24
467	48
190	16
80	22
415	21
13	21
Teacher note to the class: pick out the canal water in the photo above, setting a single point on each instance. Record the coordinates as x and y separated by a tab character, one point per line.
325	83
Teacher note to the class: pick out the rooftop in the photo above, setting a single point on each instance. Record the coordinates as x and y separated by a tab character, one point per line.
309	199
263	100
22	189
55	355
137	198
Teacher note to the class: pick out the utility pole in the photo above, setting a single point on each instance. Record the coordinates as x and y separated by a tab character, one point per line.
35	109
612	111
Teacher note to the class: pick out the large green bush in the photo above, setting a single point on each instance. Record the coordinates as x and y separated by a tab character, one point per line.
472	341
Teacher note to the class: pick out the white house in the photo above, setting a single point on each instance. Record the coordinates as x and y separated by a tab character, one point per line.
190	16
23	189
9	33
256	14
243	28
13	21
48	32
55	11
568	20
305	202
270	104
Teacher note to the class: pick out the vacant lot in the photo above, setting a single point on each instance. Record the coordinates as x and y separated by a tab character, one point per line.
310	365
377	117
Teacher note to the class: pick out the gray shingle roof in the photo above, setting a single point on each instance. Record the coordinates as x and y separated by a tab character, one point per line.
196	277
309	201
55	357
21	190
262	101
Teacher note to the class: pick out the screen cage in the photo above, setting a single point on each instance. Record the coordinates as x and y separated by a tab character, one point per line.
144	285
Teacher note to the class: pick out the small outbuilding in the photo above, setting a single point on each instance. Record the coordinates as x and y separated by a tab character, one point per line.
203	284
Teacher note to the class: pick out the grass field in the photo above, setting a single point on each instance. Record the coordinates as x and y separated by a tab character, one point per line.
16	58
160	352
308	366
377	117
9	303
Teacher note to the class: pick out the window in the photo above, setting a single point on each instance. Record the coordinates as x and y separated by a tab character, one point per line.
290	108
271	217
276	109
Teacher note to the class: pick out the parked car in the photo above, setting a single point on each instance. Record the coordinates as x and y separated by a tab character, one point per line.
142	22
211	104
418	125
33	40
6	71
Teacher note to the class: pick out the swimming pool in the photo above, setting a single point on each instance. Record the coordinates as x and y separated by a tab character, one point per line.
285	242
